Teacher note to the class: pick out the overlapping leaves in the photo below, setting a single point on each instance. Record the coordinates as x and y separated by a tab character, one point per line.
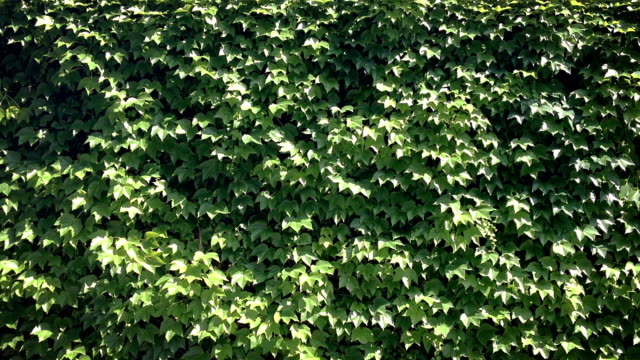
320	180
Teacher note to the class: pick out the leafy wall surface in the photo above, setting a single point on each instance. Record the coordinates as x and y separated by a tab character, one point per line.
319	180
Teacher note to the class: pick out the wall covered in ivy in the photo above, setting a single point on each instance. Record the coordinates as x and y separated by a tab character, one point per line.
319	180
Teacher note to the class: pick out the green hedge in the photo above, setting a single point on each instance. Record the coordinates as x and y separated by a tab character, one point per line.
320	180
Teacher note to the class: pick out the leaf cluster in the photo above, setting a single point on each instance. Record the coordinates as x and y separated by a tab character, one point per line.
320	180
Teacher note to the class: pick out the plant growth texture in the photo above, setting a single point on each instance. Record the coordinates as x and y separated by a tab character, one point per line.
319	180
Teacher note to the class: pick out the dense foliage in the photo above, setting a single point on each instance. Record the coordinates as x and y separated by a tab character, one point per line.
319	180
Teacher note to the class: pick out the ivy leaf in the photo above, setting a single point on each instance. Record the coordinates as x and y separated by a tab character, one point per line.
250	139
323	267
296	224
42	333
442	330
363	335
212	210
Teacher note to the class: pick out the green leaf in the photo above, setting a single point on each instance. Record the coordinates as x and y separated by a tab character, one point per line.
212	210
442	330
215	278
46	21
250	139
362	335
297	224
42	334
323	267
